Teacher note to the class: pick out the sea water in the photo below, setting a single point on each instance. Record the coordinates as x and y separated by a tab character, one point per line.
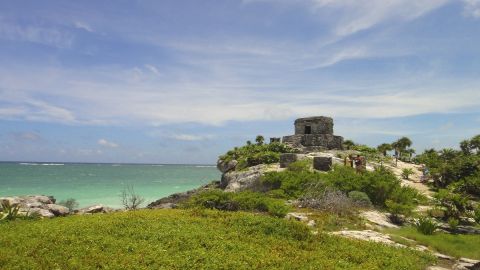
101	183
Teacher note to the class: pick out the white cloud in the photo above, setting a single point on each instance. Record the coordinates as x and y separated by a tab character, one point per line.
472	8
351	16
37	34
83	26
152	69
106	143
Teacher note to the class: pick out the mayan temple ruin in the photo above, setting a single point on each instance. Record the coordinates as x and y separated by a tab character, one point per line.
314	134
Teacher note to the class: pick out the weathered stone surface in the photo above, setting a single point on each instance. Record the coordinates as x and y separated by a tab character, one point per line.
322	163
98	208
173	200
57	210
248	179
314	134
368	235
226	166
36	204
42	212
378	218
314	125
288	158
297	216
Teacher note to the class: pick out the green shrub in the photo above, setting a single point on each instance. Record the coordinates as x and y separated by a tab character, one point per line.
455	204
10	212
453	223
426	225
246	201
476	214
292	183
304	165
469	185
406	173
70	203
254	154
360	199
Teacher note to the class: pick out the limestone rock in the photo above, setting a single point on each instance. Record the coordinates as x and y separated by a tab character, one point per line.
248	179
288	158
378	218
322	163
297	216
98	208
368	235
226	166
173	200
41	212
57	210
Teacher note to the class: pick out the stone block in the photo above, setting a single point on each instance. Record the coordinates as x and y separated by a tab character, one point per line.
322	163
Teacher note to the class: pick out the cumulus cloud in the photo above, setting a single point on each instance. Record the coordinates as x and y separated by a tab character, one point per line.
472	8
106	143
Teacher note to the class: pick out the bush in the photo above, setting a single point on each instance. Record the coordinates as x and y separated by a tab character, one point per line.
406	173
9	211
469	185
246	201
254	154
360	199
455	204
453	223
291	183
332	201
70	203
426	225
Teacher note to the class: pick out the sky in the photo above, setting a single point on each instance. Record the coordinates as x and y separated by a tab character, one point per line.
177	81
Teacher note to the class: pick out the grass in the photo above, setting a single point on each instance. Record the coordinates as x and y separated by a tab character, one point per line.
453	245
183	239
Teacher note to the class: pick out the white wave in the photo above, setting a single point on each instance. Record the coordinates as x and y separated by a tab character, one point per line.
205	166
28	164
52	164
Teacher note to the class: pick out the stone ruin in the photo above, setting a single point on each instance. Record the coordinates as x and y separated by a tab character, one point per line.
314	134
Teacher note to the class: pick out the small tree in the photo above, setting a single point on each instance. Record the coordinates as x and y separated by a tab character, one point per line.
406	173
384	147
259	139
347	144
130	199
70	203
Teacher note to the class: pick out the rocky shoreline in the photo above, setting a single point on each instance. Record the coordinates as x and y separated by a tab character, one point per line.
46	206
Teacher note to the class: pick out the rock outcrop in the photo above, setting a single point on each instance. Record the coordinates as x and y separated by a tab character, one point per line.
41	205
248	179
173	200
98	208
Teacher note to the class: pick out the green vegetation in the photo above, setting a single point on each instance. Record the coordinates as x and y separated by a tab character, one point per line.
254	154
178	239
453	245
245	201
360	198
426	226
458	170
406	173
9	212
70	203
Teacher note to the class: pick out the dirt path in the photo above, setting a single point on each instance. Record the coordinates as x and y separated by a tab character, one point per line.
414	179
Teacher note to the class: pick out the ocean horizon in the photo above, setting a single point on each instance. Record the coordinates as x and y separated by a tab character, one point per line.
101	183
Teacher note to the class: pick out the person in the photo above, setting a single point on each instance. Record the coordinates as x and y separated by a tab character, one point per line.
347	162
358	164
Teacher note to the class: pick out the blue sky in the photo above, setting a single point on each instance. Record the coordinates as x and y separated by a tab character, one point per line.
183	81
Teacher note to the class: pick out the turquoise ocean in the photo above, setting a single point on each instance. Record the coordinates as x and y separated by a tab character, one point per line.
101	183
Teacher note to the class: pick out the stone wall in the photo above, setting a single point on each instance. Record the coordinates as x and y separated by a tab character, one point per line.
318	125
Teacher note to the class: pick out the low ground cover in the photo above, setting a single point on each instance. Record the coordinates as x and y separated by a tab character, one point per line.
453	245
181	239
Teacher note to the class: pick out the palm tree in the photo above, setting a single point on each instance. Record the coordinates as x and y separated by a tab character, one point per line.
348	144
400	146
384	147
